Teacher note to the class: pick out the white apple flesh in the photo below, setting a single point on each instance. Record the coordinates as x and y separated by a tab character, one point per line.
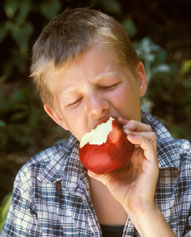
105	148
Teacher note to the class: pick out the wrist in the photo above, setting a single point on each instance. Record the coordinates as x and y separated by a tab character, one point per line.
140	208
149	221
145	211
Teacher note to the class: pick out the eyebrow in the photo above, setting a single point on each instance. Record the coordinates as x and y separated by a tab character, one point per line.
104	75
100	77
68	90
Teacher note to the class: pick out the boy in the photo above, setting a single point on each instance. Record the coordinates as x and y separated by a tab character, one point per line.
86	70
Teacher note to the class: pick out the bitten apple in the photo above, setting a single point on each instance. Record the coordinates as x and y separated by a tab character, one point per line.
105	148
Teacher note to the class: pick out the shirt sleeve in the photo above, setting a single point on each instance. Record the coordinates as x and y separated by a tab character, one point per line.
21	218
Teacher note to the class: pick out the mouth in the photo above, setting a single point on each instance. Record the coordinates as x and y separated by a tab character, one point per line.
102	121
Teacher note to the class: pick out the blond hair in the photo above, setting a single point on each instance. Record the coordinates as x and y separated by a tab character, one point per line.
67	36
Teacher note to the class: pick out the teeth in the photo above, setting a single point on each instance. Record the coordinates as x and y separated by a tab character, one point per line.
98	135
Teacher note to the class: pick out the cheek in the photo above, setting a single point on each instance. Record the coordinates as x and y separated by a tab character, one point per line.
78	128
75	131
127	104
122	96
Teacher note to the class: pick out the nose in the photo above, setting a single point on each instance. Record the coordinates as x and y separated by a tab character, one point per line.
98	107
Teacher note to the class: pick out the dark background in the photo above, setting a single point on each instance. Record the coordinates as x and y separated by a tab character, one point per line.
161	32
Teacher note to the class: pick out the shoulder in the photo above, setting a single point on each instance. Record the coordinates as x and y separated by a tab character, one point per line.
42	158
172	152
51	157
185	154
185	146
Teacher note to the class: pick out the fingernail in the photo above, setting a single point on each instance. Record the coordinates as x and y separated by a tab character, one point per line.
130	134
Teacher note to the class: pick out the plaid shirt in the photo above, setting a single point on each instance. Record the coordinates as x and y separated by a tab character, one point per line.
51	193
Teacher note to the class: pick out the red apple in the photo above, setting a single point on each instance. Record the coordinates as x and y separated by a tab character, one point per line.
105	148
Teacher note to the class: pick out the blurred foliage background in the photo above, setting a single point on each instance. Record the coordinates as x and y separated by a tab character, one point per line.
160	31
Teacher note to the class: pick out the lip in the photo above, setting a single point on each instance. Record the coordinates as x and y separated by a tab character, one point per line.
103	120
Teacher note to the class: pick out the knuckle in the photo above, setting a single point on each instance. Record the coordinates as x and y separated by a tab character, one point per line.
154	137
149	127
131	122
153	134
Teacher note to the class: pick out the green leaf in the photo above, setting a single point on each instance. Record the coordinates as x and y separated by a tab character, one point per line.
186	67
24	10
50	8
11	7
146	47
5	205
3	78
4	209
112	6
146	104
3	32
162	68
21	34
2	124
130	27
187	83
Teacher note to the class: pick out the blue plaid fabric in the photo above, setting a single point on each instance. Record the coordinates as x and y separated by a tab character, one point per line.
51	193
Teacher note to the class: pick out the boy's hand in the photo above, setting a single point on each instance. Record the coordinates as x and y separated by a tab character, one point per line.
134	185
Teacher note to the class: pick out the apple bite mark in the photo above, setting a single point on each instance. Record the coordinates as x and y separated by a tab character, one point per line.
105	148
98	135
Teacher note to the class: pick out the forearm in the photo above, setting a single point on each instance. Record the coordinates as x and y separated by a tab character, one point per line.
151	222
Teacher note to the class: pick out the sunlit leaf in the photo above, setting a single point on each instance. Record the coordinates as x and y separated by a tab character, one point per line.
11	7
4	209
162	68
186	67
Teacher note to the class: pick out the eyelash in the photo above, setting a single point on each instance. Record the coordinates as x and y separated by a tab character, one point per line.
75	102
102	87
110	87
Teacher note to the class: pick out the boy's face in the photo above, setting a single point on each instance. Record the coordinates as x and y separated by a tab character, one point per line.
93	87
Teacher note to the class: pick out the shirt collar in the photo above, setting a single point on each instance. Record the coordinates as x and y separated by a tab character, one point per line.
167	147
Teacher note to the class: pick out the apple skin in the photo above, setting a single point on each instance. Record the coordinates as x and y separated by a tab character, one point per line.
109	156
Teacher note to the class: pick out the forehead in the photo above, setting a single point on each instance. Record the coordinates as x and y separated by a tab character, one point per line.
93	64
94	59
94	56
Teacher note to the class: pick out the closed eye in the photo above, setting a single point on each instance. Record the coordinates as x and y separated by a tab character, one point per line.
75	102
110	86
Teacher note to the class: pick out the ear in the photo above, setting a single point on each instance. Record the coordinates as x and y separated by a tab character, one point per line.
142	79
55	116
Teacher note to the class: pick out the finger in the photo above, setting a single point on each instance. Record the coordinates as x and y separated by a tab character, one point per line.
147	146
151	136
122	120
137	126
